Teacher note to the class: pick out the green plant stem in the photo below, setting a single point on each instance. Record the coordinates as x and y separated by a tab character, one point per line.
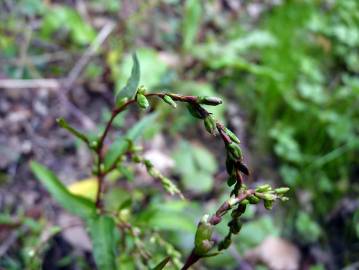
99	150
215	219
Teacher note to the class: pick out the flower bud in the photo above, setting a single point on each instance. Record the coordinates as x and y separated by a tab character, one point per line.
268	204
231	135
93	144
212	101
142	101
243	168
136	158
231	180
210	124
229	165
235	226
169	101
241	209
281	190
269	197
141	90
263	188
62	122
234	151
244	202
196	111
253	199
203	238
225	243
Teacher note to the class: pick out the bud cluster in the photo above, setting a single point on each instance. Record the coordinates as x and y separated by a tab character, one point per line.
167	184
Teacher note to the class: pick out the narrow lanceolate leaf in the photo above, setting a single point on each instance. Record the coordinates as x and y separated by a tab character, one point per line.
162	264
75	204
131	86
102	232
121	144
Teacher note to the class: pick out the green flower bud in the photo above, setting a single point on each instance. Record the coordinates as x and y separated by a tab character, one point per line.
281	190
268	204
225	243
231	180
210	124
234	151
284	199
195	111
93	144
235	226
142	101
253	199
269	197
203	238
212	101
231	135
136	158
169	101
244	202
229	165
62	122
141	90
263	188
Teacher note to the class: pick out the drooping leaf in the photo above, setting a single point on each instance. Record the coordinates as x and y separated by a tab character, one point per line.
191	22
121	144
162	264
132	84
102	232
75	204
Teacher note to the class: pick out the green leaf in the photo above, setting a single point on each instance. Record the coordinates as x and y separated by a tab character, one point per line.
162	264
196	166
307	227
191	22
75	204
102	231
132	84
60	18
153	68
121	144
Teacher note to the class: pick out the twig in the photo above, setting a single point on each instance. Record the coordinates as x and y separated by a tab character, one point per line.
99	150
51	84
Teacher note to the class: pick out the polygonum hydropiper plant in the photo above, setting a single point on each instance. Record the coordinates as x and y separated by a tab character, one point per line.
104	226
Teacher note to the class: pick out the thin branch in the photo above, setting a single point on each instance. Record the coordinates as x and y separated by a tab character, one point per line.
51	84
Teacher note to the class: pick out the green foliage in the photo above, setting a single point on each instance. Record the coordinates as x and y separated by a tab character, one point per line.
61	17
102	231
191	22
121	144
196	165
104	218
130	88
162	264
72	203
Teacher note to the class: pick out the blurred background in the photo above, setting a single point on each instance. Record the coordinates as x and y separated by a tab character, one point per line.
287	72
